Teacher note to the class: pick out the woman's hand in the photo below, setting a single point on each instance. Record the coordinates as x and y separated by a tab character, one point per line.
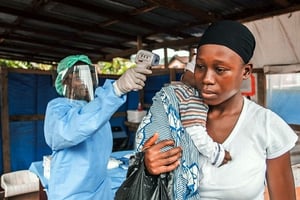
156	161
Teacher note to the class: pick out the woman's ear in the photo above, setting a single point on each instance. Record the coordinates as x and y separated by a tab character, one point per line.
247	71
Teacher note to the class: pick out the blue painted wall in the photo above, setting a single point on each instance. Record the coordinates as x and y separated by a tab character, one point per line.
28	94
286	104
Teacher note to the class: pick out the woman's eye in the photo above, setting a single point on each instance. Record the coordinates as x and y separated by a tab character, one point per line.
220	70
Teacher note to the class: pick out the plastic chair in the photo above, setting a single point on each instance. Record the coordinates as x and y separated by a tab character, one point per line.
19	182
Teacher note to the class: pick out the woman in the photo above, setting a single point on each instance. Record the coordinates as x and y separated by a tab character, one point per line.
258	140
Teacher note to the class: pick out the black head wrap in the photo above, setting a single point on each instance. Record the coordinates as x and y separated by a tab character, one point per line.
231	34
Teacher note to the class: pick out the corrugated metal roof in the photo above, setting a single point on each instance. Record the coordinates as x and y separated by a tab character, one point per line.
48	30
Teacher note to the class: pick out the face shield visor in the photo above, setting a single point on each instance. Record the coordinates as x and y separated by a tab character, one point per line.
80	82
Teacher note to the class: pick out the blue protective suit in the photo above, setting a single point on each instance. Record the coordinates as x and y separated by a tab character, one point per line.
80	136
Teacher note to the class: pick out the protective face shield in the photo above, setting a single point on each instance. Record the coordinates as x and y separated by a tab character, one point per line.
80	82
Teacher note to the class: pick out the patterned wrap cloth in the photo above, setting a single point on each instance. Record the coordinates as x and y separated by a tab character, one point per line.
164	118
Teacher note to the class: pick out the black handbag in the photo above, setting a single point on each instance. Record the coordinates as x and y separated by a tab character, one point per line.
141	186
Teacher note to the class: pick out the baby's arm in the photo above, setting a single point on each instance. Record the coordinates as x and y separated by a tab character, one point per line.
206	146
193	114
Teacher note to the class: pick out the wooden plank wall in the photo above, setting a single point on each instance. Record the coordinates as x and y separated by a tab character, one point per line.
5	120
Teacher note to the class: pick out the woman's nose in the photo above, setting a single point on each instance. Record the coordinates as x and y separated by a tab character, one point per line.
208	77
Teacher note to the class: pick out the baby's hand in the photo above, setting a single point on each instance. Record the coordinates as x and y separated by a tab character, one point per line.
227	158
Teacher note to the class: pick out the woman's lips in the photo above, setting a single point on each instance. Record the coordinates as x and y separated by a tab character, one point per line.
207	93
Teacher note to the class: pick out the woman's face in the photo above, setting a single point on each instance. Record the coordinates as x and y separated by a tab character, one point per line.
219	73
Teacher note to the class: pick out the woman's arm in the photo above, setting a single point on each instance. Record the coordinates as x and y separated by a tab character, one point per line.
280	180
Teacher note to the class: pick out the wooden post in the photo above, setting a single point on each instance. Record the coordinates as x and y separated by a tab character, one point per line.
261	86
139	42
5	120
166	58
